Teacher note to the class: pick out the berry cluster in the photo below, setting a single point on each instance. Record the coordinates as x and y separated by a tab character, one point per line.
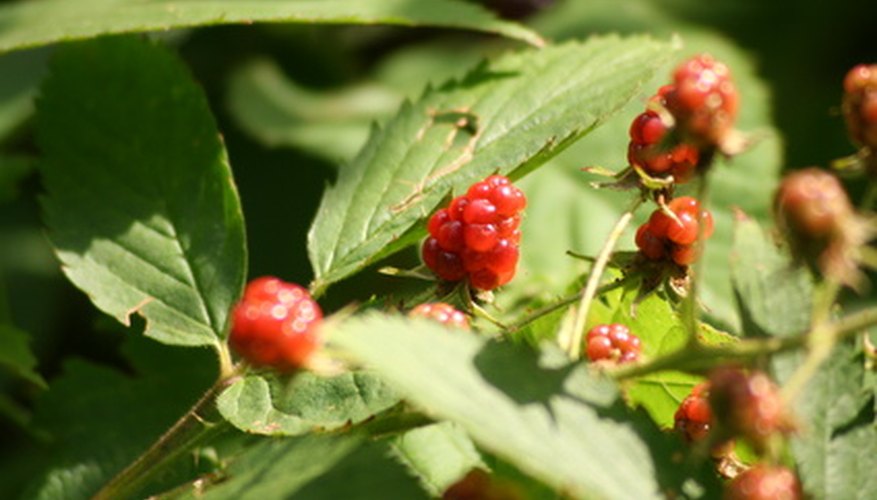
764	482
275	324
445	314
663	237
747	404
612	342
703	100
477	235
694	418
860	104
647	150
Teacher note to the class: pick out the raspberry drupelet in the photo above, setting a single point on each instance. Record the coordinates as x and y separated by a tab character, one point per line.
445	314
703	101
275	324
647	150
662	237
477	235
612	342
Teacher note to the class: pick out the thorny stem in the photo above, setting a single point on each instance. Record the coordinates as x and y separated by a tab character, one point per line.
199	424
696	358
590	290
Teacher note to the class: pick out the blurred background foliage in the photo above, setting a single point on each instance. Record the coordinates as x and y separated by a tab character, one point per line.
295	102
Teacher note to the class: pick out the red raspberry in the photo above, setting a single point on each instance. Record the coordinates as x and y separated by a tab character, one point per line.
477	235
444	313
479	485
613	342
694	417
764	482
748	405
812	204
860	104
647	151
275	324
703	100
662	236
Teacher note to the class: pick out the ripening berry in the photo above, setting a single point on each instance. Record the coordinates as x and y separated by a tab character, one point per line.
479	485
747	404
694	418
612	342
764	482
647	151
703	100
275	324
477	236
445	314
812	204
860	104
663	236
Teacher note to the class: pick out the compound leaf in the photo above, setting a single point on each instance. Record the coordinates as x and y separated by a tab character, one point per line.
141	206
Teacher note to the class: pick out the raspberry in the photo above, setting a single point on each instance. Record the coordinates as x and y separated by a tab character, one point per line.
860	104
703	100
748	405
477	236
662	236
764	482
812	204
275	324
479	485
646	150
444	313
612	342
694	417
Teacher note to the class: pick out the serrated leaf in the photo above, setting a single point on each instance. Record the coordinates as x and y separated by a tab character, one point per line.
836	444
141	206
438	455
542	415
775	297
41	22
16	356
290	406
314	467
509	116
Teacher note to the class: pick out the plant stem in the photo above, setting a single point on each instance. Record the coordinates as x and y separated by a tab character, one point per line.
550	308
696	358
191	429
690	308
590	290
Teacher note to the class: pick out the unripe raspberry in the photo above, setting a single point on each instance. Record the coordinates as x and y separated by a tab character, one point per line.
747	405
764	482
694	418
275	324
445	314
703	100
812	204
479	485
647	152
662	236
860	104
612	342
477	236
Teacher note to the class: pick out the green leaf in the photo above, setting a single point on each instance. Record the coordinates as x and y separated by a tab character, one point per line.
836	444
16	356
278	112
775	297
314	467
141	206
509	115
545	416
41	22
289	406
16	94
12	170
439	455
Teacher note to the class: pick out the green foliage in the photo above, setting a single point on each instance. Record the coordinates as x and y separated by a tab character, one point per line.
16	356
465	130
141	206
290	406
42	22
438	455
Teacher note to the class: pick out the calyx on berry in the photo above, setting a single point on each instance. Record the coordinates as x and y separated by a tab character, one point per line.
613	342
476	237
860	104
764	482
664	237
275	324
441	312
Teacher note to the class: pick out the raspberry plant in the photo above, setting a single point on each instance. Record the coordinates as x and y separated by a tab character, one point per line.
461	310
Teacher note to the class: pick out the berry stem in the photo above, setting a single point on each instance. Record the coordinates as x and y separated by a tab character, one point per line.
201	423
566	301
574	348
690	306
699	358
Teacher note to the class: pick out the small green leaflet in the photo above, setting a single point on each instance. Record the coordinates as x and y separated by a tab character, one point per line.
141	206
507	116
290	406
16	356
40	22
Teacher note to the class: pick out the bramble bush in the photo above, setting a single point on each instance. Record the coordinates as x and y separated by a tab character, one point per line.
481	259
